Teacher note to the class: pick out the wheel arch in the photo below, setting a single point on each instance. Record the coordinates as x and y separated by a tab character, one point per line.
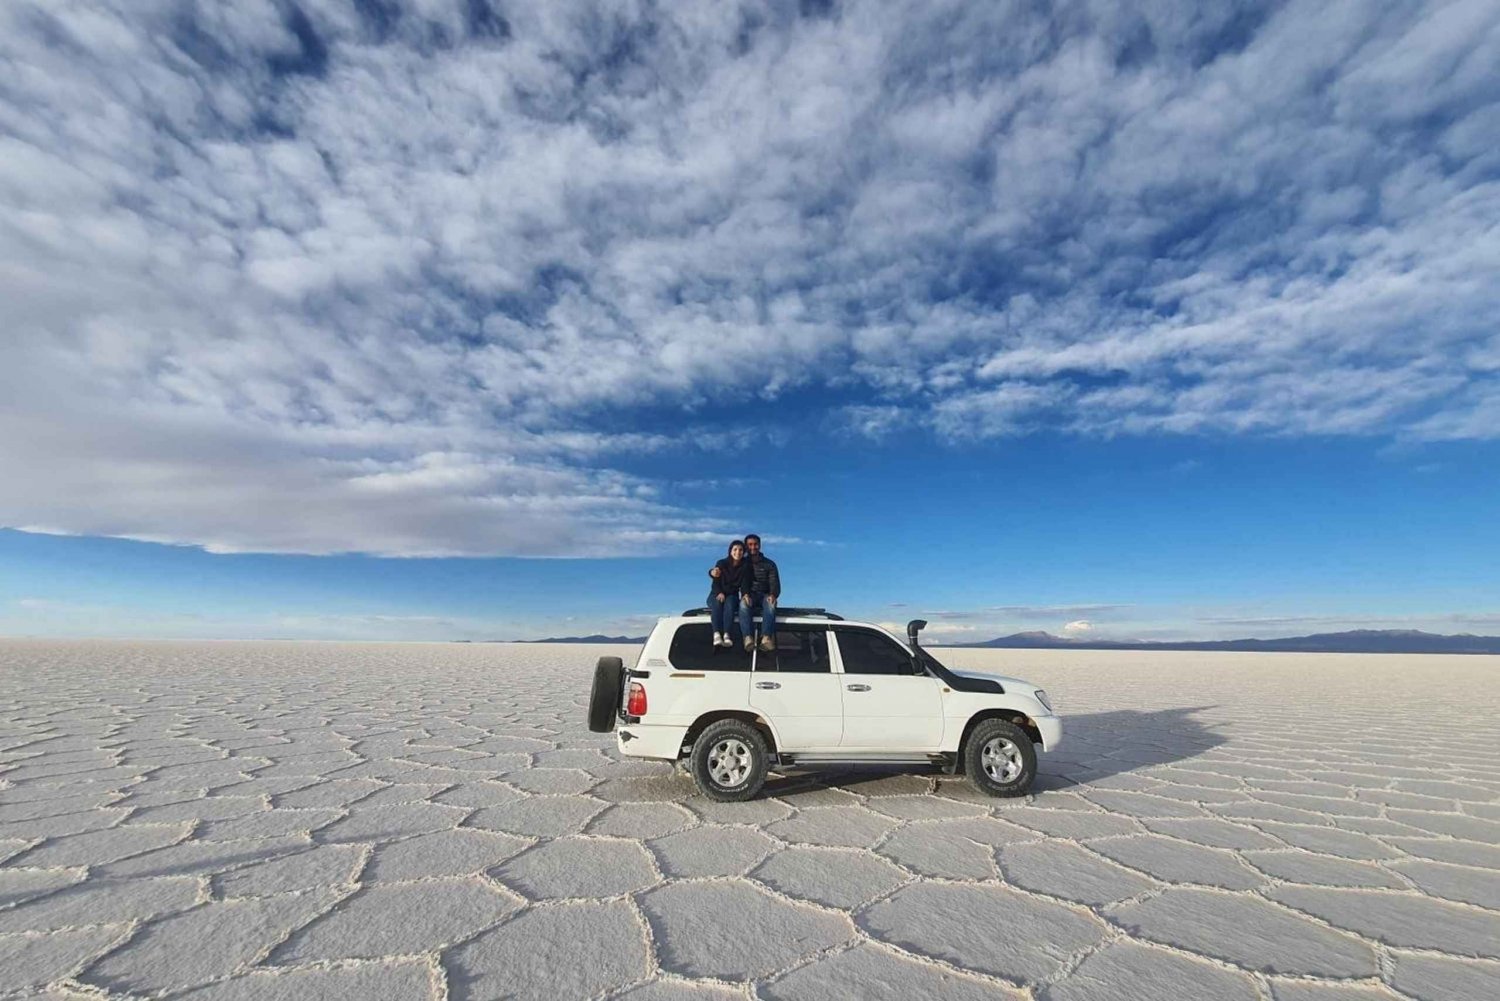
755	719
1020	719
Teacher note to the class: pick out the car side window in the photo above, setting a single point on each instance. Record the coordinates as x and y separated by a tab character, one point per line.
692	649
799	650
867	652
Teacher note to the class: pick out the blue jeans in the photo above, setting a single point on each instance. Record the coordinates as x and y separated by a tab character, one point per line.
767	608
721	614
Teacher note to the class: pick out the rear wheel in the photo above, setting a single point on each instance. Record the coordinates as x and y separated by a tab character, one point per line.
604	700
729	761
999	758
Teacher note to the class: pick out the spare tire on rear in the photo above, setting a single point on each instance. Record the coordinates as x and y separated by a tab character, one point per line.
604	700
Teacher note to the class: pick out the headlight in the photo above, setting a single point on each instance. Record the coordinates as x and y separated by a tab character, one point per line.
1041	697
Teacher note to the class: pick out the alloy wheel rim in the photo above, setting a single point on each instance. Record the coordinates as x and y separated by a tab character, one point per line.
729	762
1001	760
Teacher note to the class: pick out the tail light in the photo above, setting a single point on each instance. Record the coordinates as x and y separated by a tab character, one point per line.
635	705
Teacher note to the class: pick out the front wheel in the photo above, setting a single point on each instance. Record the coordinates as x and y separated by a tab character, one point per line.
999	758
730	760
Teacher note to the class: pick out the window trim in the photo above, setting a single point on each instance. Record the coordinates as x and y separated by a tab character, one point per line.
835	665
850	628
681	668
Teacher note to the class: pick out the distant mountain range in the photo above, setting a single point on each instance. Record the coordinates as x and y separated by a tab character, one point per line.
592	638
1353	641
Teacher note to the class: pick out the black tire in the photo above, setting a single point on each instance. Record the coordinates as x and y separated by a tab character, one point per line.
1014	744
721	738
604	700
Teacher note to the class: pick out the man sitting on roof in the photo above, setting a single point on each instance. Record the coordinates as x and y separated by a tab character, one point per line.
762	592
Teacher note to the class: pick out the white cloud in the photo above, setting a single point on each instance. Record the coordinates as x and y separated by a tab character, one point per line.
1033	612
285	277
1435	622
1185	621
51	606
871	421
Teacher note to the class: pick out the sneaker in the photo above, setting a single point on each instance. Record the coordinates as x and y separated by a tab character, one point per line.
768	643
749	643
727	641
718	639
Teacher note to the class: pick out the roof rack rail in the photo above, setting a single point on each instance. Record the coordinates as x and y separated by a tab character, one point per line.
782	612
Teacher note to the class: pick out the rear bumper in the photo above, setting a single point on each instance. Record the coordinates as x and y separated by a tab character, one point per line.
639	740
1051	729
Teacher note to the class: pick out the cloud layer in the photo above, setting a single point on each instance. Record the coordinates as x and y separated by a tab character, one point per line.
419	278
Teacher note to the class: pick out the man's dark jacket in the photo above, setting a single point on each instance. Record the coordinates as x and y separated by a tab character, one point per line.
763	577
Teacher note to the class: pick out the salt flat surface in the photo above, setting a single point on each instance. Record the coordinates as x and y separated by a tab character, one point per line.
394	821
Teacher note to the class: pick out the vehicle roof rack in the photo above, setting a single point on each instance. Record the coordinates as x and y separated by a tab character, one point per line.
782	612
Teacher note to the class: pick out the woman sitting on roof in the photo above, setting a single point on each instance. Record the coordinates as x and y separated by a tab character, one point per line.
729	583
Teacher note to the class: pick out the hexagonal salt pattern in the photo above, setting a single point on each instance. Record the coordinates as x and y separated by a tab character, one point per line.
241	820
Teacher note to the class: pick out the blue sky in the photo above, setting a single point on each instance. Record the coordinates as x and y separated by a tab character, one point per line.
465	319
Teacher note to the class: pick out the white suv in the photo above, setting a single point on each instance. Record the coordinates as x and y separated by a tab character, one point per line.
831	691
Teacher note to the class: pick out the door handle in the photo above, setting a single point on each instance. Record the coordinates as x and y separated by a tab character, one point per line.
858	688
768	684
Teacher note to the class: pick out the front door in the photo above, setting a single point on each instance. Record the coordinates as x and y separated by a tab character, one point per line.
795	688
887	705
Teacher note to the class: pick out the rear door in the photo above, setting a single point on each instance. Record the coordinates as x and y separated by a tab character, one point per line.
703	676
796	689
888	705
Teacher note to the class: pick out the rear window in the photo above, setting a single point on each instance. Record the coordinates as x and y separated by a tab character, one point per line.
798	650
693	649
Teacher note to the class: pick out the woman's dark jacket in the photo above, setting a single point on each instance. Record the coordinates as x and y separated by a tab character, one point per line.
732	578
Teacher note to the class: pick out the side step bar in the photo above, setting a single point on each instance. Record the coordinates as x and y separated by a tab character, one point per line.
876	758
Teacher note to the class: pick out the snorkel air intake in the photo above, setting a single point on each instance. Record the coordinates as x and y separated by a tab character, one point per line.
957	682
912	628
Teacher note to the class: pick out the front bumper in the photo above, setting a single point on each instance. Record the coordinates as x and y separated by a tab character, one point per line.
1051	729
639	740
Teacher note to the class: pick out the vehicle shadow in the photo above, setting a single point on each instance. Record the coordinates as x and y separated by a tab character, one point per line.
1095	747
